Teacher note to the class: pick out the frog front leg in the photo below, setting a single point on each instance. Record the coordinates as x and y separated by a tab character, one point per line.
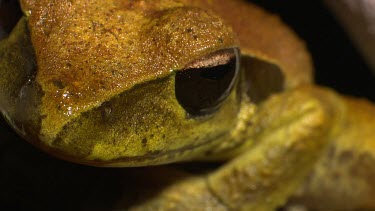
343	179
293	129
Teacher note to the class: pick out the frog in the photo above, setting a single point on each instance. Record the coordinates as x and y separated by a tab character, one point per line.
139	83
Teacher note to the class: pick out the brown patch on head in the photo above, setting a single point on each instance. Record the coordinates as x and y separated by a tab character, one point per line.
265	37
111	46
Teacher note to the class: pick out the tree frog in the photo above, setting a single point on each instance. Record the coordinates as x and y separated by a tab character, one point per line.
121	83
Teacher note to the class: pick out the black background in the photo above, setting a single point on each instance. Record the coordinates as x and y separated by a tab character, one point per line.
337	62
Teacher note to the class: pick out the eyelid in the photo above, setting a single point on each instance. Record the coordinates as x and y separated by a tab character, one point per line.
217	58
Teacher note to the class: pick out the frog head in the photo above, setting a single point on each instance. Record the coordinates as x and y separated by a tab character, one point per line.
130	83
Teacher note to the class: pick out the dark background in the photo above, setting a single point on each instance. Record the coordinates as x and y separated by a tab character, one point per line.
32	180
337	62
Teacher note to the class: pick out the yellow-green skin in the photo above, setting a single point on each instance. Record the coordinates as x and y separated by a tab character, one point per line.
93	82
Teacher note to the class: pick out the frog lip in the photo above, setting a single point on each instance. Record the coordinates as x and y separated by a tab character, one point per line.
155	157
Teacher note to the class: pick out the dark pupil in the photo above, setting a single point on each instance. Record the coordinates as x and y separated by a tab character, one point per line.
202	90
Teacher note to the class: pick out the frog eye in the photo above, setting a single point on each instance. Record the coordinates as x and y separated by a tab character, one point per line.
10	13
203	85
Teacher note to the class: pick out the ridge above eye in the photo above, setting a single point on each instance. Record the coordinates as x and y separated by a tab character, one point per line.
203	85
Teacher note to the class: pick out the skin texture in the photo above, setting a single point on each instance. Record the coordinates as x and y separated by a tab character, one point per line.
95	84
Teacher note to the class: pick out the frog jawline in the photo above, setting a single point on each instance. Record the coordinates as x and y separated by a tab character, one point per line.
155	158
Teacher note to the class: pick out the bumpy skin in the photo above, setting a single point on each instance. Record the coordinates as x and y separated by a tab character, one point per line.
93	72
93	82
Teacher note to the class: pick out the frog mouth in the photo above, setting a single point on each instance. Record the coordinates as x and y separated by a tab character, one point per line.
154	158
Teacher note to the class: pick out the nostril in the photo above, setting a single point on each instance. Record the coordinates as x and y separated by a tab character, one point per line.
10	13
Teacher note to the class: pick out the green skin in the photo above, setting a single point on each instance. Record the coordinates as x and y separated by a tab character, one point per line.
270	137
